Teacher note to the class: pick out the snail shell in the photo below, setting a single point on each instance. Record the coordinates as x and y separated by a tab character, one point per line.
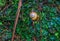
33	15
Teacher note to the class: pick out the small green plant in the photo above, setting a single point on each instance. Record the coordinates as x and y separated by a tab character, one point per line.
2	2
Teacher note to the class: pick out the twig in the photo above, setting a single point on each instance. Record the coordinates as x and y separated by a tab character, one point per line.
16	20
7	5
34	39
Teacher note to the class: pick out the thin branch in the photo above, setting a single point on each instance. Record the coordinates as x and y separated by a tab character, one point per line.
34	39
16	20
7	5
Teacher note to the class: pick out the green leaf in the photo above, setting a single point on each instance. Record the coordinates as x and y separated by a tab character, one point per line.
0	23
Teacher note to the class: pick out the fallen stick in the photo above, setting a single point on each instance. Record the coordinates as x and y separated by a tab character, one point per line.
16	20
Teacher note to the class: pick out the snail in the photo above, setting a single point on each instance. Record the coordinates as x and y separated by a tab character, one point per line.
34	16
